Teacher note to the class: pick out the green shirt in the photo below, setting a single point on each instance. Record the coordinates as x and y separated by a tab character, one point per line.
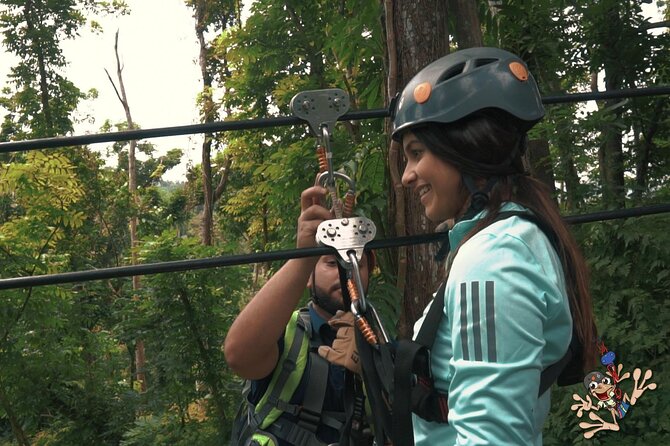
506	318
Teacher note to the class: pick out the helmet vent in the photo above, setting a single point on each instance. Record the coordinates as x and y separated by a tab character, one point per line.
482	62
451	72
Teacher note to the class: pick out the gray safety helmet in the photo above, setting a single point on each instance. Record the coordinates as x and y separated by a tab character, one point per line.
465	82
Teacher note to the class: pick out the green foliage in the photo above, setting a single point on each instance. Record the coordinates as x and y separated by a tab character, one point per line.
281	51
170	430
44	100
182	319
67	368
630	266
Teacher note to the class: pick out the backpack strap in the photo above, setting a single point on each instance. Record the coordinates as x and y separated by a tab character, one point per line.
412	379
285	379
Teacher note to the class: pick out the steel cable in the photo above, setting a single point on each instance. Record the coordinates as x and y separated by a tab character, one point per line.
224	126
242	259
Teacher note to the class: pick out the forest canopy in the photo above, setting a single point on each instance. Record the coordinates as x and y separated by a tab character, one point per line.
139	361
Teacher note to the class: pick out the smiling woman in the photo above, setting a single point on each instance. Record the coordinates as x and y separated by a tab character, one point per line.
516	283
437	183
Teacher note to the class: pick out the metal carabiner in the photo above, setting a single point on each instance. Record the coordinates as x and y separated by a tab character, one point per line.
359	307
329	157
349	236
327	180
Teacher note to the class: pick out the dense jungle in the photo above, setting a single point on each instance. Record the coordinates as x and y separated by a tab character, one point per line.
139	361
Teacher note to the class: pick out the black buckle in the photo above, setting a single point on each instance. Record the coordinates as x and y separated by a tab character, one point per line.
308	419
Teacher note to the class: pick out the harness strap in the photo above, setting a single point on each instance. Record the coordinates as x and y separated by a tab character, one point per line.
381	406
289	363
426	337
354	403
412	359
293	433
405	380
335	420
315	391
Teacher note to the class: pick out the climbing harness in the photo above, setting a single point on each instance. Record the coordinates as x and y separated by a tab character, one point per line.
262	424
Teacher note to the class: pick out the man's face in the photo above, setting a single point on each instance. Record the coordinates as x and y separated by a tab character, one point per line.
327	286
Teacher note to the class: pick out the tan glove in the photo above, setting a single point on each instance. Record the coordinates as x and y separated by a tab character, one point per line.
343	352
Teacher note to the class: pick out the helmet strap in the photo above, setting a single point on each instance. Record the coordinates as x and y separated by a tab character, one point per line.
479	198
518	150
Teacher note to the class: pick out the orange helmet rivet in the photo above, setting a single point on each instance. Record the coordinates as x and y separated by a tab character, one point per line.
422	92
519	71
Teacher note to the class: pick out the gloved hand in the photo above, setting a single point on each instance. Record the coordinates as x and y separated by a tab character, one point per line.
343	352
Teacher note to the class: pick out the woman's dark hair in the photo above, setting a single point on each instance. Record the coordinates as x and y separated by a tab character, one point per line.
491	143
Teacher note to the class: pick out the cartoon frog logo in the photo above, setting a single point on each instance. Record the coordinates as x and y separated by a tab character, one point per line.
605	390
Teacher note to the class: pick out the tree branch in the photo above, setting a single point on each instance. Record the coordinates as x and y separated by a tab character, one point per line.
652	25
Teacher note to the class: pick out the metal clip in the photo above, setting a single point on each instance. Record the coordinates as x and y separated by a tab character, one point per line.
321	109
348	236
324	179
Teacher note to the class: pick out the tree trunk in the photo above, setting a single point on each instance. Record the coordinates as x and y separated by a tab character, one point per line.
539	161
30	13
17	430
610	154
468	33
570	176
140	359
646	147
208	113
416	35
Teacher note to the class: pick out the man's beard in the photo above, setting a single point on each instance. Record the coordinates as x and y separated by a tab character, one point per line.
325	300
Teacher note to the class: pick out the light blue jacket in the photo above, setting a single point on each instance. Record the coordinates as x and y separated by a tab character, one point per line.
506	318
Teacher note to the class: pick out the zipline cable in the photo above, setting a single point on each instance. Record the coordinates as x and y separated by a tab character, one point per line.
210	127
224	126
242	259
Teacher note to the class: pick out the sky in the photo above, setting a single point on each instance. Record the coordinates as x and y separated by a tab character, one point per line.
158	49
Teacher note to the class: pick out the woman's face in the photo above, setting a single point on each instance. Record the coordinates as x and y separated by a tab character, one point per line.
437	182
